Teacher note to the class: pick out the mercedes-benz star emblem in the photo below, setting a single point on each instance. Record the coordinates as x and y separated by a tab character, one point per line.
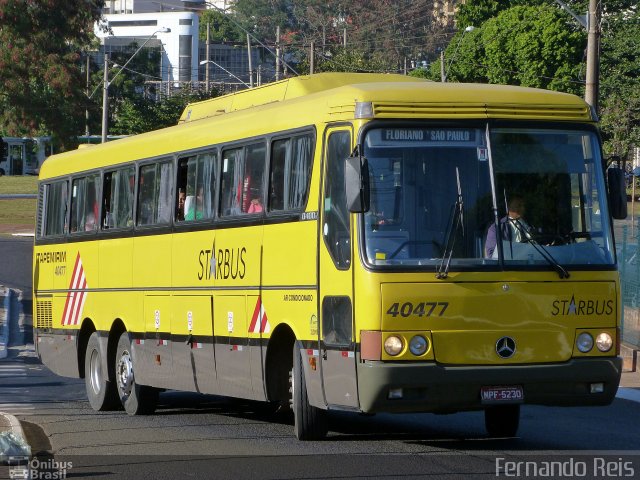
505	347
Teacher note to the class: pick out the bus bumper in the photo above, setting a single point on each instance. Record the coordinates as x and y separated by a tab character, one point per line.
444	389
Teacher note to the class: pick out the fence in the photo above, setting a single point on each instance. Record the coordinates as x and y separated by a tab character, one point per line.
629	265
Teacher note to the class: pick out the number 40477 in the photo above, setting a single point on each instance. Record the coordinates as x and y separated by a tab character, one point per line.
422	309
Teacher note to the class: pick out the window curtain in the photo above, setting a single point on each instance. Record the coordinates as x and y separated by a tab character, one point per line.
165	193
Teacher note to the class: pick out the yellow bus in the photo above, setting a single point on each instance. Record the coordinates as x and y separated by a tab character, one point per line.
339	242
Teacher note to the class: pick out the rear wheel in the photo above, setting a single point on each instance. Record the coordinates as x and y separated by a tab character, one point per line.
136	399
309	422
502	421
101	392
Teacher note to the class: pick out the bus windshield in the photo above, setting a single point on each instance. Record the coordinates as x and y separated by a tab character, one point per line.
484	197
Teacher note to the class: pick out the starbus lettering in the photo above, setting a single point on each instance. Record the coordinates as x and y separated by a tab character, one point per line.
222	263
581	307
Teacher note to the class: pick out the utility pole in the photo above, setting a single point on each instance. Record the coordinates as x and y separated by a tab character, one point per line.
86	112
206	72
311	58
105	98
277	53
344	37
250	61
591	22
593	58
443	76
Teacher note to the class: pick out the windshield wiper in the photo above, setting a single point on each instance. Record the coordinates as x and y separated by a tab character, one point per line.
544	253
456	221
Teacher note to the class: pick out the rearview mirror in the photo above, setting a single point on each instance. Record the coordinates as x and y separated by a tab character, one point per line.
617	193
356	178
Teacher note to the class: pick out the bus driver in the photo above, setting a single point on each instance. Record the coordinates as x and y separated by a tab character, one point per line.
513	227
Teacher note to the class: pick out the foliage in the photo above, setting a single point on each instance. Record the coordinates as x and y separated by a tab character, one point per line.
41	87
221	28
390	30
340	59
528	46
137	114
620	84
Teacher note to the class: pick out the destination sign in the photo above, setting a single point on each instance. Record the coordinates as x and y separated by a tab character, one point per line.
395	136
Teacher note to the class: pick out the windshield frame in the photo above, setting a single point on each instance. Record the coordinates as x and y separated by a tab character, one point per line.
487	125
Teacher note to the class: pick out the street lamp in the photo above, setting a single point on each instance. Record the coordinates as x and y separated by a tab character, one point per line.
106	82
204	62
444	71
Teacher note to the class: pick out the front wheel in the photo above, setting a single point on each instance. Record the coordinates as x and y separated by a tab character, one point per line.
309	422
136	399
502	421
100	391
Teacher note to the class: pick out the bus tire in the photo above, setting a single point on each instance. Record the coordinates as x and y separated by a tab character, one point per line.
309	422
101	392
502	421
136	399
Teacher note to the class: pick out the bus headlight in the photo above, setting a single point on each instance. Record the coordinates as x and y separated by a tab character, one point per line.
604	342
584	342
418	345
393	345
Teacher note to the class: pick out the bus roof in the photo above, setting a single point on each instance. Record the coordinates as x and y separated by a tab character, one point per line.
322	98
287	89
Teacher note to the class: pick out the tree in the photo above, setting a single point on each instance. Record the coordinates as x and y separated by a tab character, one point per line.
137	114
221	28
529	46
41	87
390	30
620	84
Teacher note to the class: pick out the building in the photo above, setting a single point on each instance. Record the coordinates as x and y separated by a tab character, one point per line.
149	6
174	33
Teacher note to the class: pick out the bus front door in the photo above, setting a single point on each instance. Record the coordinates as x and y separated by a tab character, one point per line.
337	343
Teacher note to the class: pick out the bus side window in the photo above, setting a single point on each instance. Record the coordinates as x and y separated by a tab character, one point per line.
290	173
230	190
84	204
118	187
196	187
242	180
336	229
55	218
155	197
253	184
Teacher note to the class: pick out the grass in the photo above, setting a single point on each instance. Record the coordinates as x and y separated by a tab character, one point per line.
17	215
18	184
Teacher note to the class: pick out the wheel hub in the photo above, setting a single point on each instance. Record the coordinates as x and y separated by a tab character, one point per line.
95	372
124	374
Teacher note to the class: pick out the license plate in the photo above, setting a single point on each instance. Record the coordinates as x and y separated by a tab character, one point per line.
511	394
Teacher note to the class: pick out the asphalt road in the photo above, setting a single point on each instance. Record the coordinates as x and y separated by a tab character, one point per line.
16	255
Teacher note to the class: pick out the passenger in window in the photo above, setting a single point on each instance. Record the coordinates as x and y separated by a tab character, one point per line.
182	195
255	206
91	217
513	227
194	209
90	222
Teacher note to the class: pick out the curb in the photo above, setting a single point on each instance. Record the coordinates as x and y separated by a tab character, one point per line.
14	424
19	449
